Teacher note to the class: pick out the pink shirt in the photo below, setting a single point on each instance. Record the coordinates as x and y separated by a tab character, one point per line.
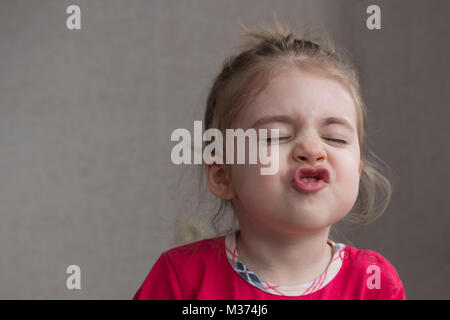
211	270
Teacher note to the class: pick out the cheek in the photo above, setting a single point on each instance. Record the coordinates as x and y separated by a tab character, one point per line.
278	159
248	179
347	178
261	190
255	191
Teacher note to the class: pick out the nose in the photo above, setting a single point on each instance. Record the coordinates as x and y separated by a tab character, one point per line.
309	149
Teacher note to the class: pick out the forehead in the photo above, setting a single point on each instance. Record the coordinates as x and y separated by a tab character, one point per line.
301	95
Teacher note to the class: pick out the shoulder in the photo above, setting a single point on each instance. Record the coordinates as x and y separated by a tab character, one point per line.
179	272
362	258
195	253
375	273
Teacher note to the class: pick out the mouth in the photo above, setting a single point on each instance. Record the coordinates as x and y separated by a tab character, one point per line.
310	179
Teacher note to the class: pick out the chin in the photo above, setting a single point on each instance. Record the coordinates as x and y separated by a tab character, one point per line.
305	223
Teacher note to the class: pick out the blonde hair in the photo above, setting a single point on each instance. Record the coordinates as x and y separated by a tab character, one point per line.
268	53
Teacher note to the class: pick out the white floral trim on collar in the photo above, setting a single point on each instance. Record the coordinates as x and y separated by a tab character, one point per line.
296	290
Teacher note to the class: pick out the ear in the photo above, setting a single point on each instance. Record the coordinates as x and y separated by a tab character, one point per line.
360	167
219	182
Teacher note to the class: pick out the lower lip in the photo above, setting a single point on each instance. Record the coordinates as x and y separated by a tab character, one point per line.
312	186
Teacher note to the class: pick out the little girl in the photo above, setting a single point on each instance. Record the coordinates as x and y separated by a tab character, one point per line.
282	248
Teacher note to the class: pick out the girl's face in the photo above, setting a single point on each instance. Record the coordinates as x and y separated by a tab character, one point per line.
300	101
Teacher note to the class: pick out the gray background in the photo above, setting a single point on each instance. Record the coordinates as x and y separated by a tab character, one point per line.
86	118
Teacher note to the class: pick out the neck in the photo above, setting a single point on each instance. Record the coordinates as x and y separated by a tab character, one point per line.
284	259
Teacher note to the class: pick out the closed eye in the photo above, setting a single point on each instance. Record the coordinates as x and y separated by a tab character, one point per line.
336	140
276	139
269	140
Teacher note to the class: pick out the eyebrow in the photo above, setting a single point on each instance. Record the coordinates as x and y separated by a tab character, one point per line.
283	118
334	120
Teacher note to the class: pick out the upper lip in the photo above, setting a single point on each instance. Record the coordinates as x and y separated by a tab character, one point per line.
311	172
